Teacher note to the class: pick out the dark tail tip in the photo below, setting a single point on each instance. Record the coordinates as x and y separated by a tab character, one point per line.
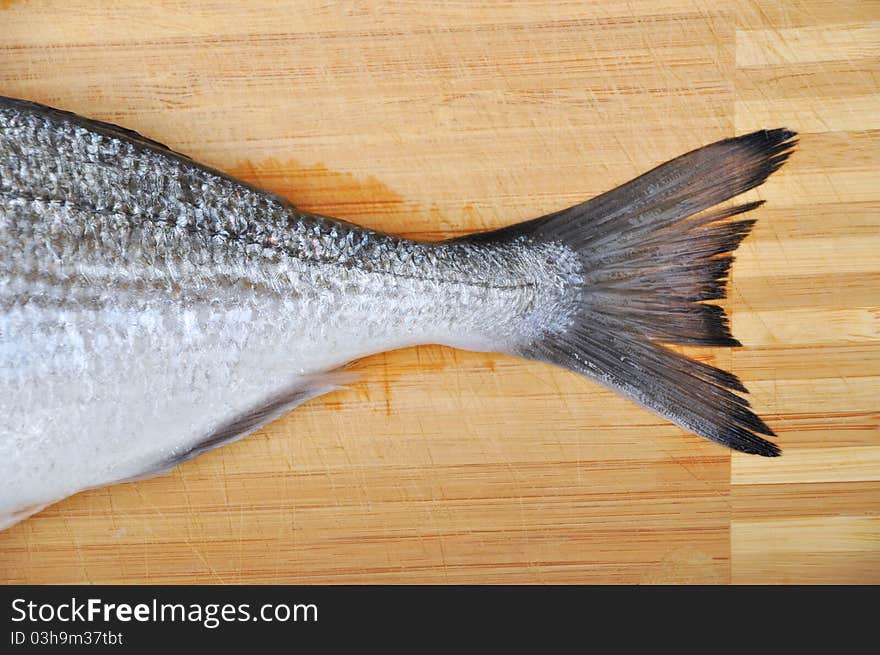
764	140
765	449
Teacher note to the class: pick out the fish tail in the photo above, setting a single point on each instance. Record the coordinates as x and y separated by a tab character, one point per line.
653	252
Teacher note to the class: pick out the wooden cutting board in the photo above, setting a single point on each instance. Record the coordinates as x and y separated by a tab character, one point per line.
434	119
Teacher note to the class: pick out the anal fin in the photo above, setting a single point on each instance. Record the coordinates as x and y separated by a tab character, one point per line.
253	419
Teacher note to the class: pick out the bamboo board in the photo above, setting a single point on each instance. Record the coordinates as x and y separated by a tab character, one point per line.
435	119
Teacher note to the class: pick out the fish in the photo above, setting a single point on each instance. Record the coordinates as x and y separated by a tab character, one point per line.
153	308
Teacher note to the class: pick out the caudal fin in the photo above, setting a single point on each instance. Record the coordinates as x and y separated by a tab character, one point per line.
652	252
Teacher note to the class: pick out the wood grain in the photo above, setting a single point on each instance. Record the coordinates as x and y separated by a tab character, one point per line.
435	119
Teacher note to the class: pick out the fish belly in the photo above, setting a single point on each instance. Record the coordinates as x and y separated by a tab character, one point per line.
98	392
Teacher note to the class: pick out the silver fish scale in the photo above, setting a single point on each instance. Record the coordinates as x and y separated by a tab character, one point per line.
125	205
146	302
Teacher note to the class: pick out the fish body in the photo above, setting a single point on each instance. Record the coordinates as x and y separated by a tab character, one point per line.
152	308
